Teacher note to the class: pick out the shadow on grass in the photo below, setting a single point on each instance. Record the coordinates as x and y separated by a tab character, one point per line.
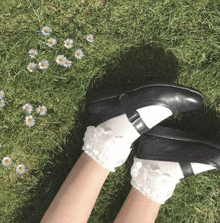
141	65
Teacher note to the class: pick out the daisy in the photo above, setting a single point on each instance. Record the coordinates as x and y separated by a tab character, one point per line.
30	121
68	43
33	53
7	161
60	59
28	108
2	94
79	54
90	38
46	30
2	103
51	42
21	169
42	110
43	64
67	63
32	67
1	146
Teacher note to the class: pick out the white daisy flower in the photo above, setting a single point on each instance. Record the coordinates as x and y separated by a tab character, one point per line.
90	38
79	54
1	146
28	108
21	169
42	110
68	43
67	63
2	103
30	121
43	64
51	42
33	53
32	67
6	161
61	59
46	30
2	94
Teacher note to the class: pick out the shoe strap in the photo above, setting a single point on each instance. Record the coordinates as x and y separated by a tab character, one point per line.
132	114
186	166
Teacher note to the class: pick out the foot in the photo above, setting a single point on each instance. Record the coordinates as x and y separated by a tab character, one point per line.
164	156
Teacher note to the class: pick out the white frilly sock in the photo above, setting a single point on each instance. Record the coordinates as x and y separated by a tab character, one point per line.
158	179
110	142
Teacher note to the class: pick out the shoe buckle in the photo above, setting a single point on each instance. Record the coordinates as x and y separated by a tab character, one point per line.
132	114
138	123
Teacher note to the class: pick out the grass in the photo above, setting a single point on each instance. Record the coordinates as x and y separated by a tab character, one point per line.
136	42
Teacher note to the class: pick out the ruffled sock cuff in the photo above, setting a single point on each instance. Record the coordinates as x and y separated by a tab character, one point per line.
157	186
106	149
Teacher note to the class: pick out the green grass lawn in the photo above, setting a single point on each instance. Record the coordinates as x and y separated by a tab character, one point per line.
135	42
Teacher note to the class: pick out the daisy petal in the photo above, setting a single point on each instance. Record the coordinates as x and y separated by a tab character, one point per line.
68	43
33	53
2	94
90	38
2	103
46	30
30	121
79	54
67	64
60	59
21	169
27	108
42	110
6	161
51	42
43	64
32	67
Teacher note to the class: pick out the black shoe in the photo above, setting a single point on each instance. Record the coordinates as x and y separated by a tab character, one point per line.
166	144
178	98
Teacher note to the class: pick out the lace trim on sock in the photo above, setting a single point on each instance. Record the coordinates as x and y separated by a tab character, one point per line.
105	148
157	186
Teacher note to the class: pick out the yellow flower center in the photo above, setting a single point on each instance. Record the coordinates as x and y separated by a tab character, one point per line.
0	102
61	59
41	110
43	64
6	161
29	120
20	168
68	43
33	53
90	38
0	93
31	67
51	42
67	63
78	54
46	30
27	108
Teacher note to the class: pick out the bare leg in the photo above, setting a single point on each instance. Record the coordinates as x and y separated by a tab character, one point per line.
138	208
76	198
